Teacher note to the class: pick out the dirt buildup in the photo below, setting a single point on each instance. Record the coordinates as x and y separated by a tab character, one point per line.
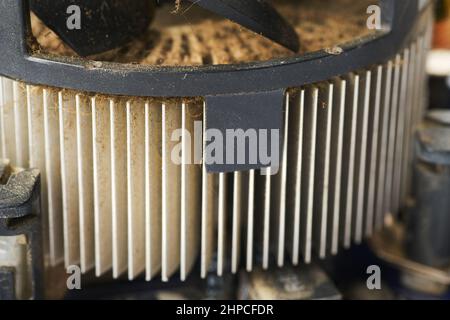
186	35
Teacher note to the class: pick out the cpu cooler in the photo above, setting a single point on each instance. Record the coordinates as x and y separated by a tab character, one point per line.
95	114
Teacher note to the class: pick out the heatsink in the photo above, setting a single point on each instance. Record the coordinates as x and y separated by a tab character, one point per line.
113	199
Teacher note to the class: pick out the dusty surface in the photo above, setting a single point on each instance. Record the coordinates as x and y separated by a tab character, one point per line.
192	36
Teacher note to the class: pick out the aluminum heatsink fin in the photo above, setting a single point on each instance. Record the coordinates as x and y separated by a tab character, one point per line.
153	185
85	184
294	179
240	194
374	145
383	151
171	192
278	201
336	163
361	162
222	220
69	177
250	230
265	199
308	172
406	165
36	148
388	195
8	122
101	136
322	172
209	210
119	185
136	188
349	158
20	124
401	131
52	169
191	172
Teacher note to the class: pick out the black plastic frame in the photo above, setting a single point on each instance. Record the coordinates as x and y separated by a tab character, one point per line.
20	214
118	79
230	92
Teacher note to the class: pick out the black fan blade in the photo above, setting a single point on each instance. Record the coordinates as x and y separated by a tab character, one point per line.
256	15
105	24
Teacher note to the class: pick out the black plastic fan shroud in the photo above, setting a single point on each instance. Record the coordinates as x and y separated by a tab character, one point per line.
401	22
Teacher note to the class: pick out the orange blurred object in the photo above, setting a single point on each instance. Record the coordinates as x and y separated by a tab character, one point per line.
442	27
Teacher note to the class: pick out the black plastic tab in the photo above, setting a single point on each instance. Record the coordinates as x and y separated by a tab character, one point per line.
20	214
256	118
